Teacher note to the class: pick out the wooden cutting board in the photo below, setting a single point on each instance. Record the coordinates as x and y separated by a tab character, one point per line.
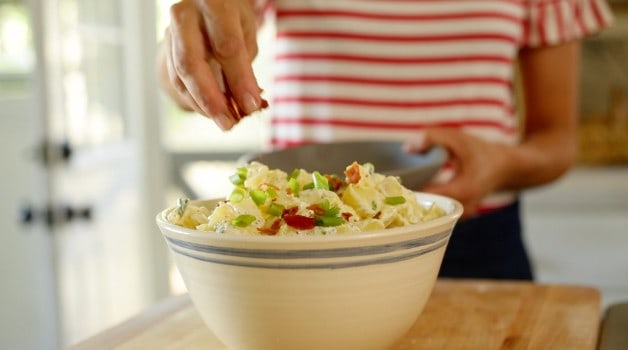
460	314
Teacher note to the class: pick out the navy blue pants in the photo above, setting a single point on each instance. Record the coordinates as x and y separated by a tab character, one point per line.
488	246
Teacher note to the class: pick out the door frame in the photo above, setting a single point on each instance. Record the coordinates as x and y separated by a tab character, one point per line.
140	19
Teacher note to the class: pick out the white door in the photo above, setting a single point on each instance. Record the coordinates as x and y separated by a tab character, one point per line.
28	296
99	97
103	260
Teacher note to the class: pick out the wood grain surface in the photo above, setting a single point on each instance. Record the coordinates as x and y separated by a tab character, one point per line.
460	314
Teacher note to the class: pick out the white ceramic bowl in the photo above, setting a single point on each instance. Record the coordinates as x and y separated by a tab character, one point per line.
349	292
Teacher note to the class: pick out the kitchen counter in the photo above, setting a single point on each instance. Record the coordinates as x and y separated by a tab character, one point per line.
460	314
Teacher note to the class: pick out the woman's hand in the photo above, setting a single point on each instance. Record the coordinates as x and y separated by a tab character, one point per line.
479	167
208	44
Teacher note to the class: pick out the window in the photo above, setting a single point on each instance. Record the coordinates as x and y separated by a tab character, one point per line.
89	109
17	57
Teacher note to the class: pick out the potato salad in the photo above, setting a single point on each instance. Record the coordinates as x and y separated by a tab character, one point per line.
272	202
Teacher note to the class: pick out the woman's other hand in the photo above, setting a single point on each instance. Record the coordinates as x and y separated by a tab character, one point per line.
478	165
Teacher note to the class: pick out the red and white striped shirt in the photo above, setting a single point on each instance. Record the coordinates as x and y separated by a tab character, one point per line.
386	69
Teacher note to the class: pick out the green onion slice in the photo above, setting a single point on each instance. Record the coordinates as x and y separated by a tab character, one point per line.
329	221
294	174
294	186
271	192
325	204
329	211
237	180
320	181
333	211
258	196
243	220
395	200
242	171
239	177
237	195
275	209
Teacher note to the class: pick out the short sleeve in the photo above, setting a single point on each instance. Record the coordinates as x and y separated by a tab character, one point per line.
552	22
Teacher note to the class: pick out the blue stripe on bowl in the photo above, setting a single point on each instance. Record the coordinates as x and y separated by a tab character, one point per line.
304	266
309	253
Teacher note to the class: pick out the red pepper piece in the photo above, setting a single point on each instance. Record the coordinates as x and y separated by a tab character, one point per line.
346	216
299	222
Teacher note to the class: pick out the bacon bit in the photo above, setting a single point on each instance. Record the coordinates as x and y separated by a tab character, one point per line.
234	110
299	222
346	216
290	211
233	107
353	173
334	182
376	216
265	186
272	230
317	209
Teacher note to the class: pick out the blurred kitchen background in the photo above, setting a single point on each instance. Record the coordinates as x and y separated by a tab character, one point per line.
92	151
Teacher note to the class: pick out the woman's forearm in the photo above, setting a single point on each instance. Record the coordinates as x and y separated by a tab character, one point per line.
549	141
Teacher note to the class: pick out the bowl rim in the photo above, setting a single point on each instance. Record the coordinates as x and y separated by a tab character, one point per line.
423	197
